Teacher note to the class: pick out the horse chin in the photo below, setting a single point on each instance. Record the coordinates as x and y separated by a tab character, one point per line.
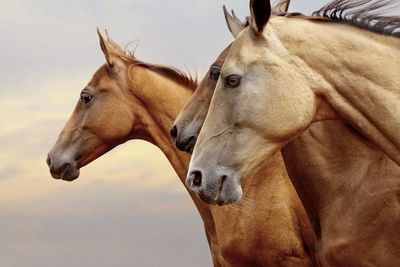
229	195
229	192
189	148
70	174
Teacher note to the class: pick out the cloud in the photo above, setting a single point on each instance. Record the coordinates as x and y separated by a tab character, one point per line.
104	229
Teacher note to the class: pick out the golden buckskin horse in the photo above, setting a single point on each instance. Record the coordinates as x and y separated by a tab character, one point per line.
348	185
129	99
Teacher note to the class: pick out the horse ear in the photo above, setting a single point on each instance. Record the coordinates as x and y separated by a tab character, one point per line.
105	48
260	13
280	7
234	24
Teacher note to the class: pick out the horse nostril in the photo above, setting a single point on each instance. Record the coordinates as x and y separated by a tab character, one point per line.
196	178
65	166
223	178
48	160
174	132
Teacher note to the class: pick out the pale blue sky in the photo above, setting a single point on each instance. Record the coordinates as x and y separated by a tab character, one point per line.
123	210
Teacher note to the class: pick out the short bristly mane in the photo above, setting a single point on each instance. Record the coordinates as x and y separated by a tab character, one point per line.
173	74
364	14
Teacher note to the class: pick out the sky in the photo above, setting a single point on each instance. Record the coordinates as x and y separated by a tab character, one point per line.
128	208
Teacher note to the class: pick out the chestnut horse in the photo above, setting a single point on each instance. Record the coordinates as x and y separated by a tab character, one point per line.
129	99
350	188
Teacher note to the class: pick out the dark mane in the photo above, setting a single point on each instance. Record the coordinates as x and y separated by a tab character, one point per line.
174	74
364	14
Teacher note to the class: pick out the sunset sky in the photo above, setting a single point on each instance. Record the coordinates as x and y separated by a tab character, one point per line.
128	208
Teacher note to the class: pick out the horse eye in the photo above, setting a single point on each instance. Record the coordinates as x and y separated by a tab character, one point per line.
214	73
86	98
232	81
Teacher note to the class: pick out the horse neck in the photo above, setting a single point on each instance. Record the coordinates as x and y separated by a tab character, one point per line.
159	101
334	168
354	72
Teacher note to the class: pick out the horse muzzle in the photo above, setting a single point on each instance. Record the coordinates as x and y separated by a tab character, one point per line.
62	169
218	188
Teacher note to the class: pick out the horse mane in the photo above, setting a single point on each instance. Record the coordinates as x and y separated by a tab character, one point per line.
174	74
171	73
364	14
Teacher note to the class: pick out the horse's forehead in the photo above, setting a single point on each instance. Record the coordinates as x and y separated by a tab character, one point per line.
100	76
244	50
238	60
